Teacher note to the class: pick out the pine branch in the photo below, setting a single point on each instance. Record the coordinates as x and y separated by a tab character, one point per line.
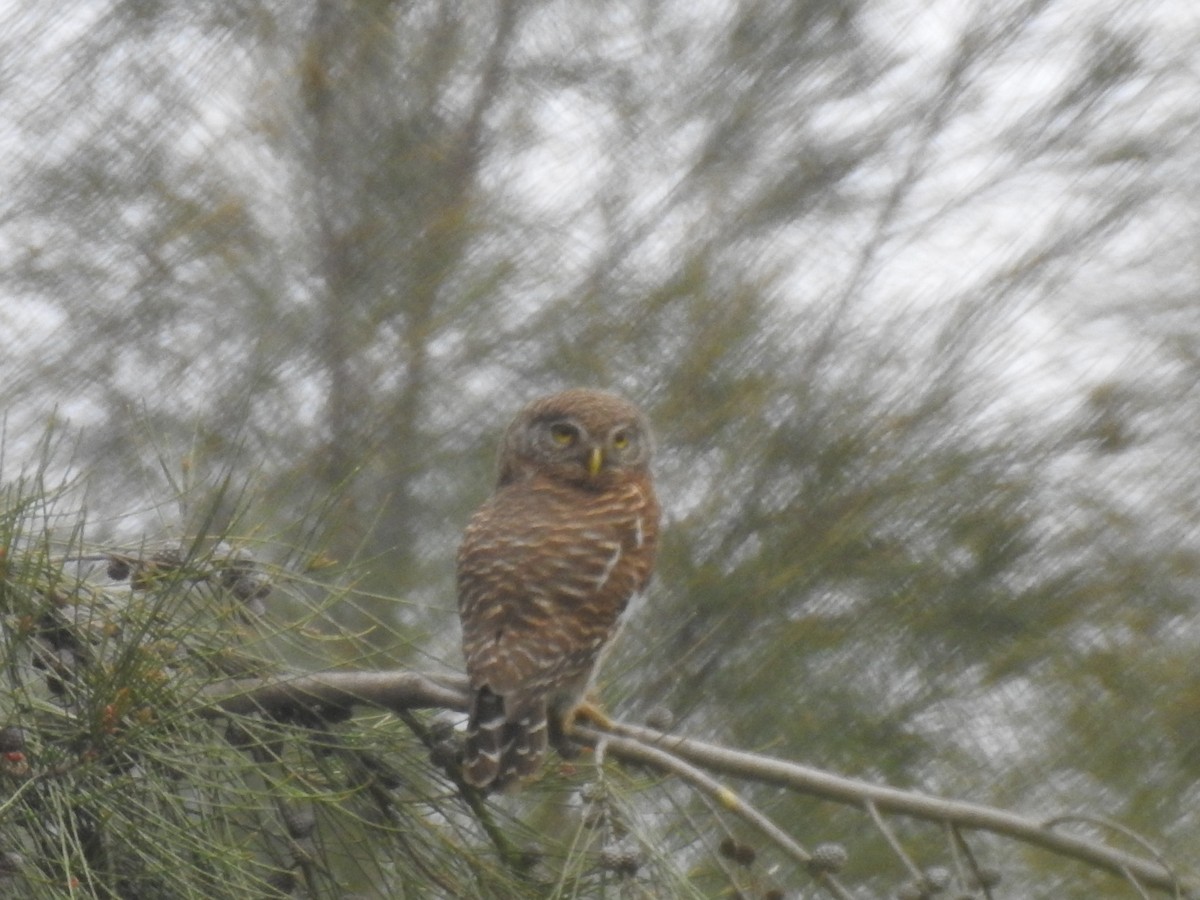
394	690
404	690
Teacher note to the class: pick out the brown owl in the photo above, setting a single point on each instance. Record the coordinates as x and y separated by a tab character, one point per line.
547	565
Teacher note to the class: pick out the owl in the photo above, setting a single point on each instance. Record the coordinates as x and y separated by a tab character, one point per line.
546	567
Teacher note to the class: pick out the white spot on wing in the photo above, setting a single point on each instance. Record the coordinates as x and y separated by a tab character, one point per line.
494	722
608	567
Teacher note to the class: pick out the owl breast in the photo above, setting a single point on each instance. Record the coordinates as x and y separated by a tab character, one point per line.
545	572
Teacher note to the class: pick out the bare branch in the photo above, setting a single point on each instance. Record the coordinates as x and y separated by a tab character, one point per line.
890	837
395	690
818	783
403	690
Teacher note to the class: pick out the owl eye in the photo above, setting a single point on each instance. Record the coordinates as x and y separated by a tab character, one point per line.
564	435
620	440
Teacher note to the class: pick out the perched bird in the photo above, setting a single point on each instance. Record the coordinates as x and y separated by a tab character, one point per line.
547	566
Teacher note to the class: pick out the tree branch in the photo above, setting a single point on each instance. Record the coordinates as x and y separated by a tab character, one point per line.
818	783
394	690
403	690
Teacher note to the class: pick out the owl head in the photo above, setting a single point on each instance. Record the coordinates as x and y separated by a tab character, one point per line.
591	439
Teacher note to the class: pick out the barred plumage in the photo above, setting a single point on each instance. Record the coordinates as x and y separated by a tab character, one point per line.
547	565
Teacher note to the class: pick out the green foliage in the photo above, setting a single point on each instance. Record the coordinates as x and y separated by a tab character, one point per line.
122	780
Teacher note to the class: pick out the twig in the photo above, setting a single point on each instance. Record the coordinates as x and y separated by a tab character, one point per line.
1105	822
976	870
890	837
1133	882
636	751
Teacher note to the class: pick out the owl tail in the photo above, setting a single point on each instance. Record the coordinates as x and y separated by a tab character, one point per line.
503	746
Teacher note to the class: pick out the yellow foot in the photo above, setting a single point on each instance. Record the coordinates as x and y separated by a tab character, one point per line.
589	711
562	726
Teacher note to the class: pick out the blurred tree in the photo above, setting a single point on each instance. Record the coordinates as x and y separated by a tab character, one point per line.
905	286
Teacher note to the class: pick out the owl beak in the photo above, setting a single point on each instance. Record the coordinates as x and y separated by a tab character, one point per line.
595	461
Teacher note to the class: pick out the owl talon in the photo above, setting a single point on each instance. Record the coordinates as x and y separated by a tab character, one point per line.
561	727
589	711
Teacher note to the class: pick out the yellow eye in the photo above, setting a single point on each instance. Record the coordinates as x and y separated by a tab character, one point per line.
620	440
563	435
